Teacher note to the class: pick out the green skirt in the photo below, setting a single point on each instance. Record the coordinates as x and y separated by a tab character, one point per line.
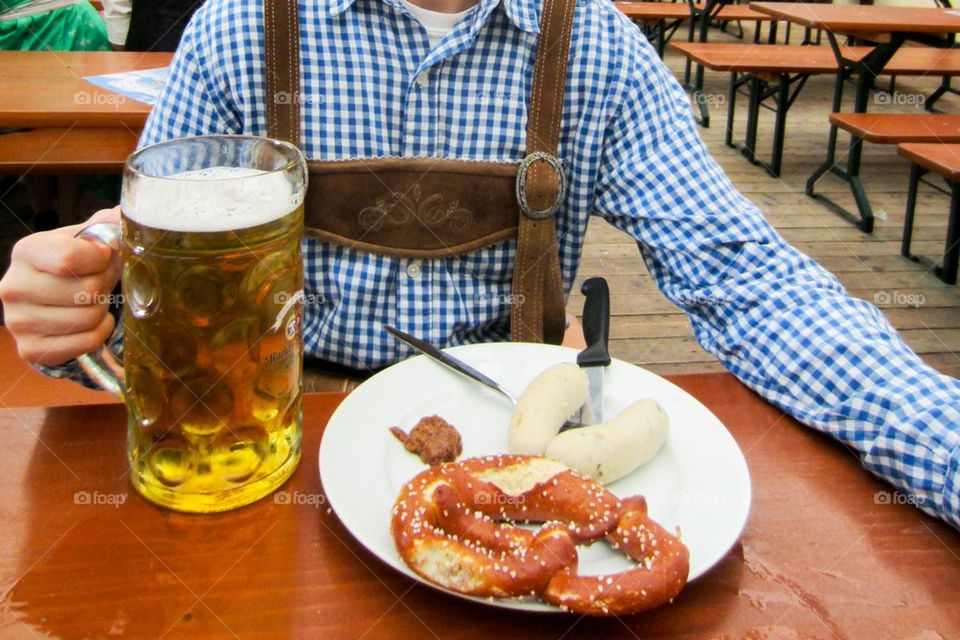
75	28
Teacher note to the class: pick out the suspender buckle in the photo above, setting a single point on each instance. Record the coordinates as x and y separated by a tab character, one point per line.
540	189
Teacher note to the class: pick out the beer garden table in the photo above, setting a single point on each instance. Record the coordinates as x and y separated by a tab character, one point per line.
45	89
662	19
828	550
666	18
887	29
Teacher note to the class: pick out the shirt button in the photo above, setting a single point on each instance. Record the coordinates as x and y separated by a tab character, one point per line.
423	79
413	269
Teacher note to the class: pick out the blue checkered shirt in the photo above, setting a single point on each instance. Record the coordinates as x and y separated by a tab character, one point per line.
372	87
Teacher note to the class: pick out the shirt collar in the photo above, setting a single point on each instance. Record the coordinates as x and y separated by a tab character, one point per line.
524	14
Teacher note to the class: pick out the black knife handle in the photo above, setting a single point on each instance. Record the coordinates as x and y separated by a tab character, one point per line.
596	323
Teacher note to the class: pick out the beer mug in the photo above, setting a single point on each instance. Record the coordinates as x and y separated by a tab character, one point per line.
212	302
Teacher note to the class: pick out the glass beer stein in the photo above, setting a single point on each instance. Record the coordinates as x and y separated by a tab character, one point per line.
212	302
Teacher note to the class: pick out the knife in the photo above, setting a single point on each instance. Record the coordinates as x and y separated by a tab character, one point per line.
593	359
456	364
462	367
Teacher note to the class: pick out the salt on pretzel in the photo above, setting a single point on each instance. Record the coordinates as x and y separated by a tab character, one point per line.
445	540
453	525
663	565
535	489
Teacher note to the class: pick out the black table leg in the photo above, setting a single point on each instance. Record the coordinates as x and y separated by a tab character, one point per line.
944	88
784	91
951	253
780	125
661	37
700	20
831	138
951	250
749	149
731	108
867	69
856	185
915	172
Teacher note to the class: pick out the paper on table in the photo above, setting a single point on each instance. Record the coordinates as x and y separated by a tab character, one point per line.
143	85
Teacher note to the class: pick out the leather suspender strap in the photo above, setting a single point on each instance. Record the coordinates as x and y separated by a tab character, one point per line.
539	314
380	224
281	47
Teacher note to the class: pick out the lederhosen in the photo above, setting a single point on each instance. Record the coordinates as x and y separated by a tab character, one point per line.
362	203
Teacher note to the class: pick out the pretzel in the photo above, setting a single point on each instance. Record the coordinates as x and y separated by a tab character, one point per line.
454	525
444	540
660	575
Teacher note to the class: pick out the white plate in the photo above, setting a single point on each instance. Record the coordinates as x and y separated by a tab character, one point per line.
699	480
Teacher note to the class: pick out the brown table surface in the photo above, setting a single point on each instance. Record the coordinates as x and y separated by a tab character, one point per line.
680	10
46	88
863	19
893	128
828	551
790	58
67	150
941	158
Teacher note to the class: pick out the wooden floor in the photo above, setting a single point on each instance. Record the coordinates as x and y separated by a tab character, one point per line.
649	331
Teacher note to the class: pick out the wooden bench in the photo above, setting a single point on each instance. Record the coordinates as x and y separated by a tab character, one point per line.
943	159
62	151
887	128
894	128
777	73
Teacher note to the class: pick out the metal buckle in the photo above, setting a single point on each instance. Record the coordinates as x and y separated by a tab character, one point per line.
554	162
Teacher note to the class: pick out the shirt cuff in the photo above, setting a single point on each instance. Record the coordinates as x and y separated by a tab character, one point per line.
71	370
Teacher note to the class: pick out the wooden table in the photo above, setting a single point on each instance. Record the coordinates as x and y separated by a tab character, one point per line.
666	17
777	73
74	150
828	551
46	88
867	22
887	28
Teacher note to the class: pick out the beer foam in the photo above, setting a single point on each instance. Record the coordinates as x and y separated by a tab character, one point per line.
212	199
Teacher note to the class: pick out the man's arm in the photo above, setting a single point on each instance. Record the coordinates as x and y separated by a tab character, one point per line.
776	319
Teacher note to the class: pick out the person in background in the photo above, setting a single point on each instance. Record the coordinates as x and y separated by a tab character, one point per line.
51	25
55	25
147	25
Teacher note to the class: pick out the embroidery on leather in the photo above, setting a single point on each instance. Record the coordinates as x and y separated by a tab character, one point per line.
400	208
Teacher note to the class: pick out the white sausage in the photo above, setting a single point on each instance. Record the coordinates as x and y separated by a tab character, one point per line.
544	406
611	450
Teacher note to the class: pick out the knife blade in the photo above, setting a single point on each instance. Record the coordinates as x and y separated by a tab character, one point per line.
456	364
593	359
463	368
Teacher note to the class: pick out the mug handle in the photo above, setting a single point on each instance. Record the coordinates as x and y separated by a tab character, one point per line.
101	365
